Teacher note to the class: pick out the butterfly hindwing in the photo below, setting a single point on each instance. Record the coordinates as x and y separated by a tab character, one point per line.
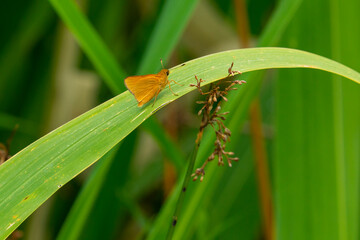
144	88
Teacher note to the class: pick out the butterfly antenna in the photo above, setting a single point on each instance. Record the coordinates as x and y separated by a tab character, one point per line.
162	63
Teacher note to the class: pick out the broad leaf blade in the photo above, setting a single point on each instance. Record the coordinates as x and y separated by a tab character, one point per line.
39	170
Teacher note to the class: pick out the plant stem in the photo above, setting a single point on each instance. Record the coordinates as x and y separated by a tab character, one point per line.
182	192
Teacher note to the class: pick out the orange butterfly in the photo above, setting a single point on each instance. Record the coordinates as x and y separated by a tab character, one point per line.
145	87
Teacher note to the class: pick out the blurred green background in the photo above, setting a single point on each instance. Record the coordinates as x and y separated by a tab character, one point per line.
299	148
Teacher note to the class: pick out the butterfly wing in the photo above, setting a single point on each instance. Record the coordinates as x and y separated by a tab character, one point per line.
144	87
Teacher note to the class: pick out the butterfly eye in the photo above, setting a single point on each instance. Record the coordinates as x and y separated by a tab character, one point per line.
167	72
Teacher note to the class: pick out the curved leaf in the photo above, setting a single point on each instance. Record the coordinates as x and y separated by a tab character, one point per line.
35	173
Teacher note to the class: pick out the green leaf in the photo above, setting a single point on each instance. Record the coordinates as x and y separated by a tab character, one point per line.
171	23
35	173
316	168
107	66
87	198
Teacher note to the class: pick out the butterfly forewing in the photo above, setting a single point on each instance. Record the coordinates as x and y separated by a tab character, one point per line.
144	88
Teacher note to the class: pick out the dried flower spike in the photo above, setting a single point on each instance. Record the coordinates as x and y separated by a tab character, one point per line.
231	72
212	117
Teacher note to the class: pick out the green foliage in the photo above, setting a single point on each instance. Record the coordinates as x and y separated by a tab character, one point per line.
46	165
317	162
311	120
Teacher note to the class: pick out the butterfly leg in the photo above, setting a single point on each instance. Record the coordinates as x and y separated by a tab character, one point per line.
176	83
171	89
156	94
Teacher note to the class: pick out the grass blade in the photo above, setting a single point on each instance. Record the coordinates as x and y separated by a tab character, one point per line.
81	208
35	173
107	66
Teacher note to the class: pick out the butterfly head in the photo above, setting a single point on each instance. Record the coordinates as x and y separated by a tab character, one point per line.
164	72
